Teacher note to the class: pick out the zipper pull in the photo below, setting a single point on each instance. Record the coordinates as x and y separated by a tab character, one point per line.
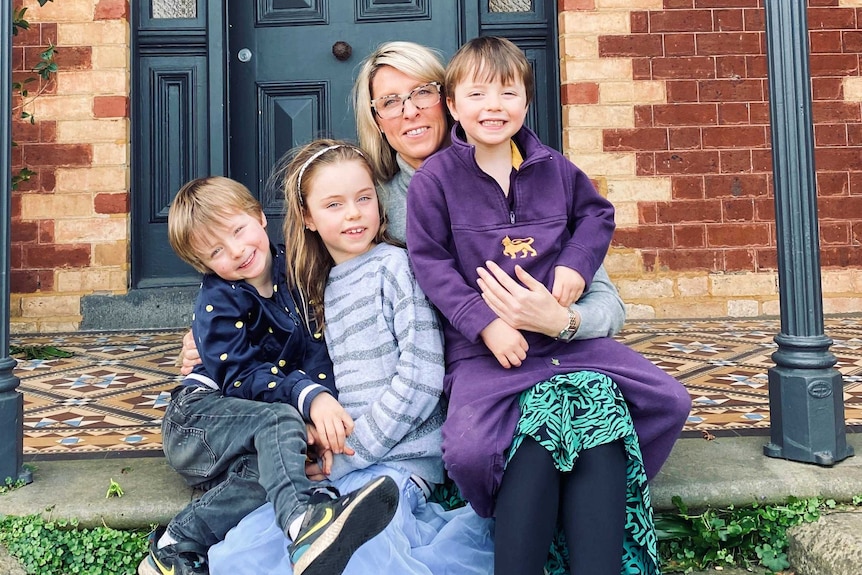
511	217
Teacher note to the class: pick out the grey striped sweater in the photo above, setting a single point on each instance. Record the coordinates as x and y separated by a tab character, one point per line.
387	349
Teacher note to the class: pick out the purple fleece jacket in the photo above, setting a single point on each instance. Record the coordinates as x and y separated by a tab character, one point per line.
458	218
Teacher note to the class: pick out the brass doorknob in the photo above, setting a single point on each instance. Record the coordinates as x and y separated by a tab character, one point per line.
342	51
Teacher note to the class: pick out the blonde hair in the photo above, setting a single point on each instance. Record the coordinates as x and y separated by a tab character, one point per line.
201	204
308	259
413	59
489	58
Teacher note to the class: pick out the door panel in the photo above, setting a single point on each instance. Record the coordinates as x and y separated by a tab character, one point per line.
286	85
173	153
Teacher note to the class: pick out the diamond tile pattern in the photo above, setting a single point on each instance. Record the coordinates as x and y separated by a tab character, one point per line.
109	397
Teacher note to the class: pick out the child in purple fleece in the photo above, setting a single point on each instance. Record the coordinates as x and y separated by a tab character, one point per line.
538	431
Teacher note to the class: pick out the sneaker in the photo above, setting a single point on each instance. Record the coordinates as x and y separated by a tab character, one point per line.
182	558
333	530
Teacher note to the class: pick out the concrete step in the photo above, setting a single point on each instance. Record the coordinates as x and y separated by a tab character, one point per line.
830	546
717	473
9	565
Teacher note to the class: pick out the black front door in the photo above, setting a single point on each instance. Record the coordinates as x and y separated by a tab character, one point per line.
227	86
291	67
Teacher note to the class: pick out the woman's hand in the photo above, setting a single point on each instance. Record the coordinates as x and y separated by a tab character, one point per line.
529	307
189	356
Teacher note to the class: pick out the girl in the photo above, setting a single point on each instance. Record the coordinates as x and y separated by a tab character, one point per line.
387	348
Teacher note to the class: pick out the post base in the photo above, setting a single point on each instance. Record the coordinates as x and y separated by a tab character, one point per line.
11	435
806	410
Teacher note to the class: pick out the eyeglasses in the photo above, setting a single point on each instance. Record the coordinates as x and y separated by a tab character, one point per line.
392	106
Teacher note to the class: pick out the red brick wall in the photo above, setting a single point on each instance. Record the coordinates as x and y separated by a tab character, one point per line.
33	255
70	220
712	138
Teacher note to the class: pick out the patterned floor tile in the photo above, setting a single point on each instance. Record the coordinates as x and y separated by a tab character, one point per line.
110	396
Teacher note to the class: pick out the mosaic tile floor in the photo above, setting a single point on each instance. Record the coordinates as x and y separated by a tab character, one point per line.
108	398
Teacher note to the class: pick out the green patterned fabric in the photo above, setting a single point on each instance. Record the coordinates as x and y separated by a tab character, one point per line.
573	412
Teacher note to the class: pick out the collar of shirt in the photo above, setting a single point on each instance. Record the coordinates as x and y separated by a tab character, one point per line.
517	158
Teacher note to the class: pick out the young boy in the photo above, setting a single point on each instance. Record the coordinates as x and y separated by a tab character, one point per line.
235	427
508	198
537	430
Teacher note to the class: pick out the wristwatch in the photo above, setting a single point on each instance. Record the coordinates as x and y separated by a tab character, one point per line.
568	333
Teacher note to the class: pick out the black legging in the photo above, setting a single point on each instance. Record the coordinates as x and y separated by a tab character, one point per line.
591	503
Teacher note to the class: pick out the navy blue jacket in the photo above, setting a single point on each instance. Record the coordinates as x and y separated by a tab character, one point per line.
259	348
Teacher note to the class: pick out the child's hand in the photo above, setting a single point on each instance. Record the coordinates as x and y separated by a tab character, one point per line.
568	285
333	423
318	469
189	356
312	435
505	342
315	443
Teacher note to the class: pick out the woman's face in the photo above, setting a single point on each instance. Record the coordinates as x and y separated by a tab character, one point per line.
415	134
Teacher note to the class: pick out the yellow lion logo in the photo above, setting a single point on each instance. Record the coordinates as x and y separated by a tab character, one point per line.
523	246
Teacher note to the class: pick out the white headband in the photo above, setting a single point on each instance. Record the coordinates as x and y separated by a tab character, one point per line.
313	157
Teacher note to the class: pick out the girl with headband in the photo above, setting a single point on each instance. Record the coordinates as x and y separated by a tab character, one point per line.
387	350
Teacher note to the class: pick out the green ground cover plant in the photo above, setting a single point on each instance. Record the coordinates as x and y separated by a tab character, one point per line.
30	352
745	537
61	548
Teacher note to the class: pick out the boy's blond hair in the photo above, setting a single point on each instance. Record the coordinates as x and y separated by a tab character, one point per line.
489	58
201	204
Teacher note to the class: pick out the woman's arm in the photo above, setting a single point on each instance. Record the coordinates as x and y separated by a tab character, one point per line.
601	308
525	304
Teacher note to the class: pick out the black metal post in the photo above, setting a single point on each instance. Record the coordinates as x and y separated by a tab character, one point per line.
11	402
806	402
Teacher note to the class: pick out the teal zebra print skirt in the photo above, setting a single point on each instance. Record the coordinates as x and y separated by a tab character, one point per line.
573	412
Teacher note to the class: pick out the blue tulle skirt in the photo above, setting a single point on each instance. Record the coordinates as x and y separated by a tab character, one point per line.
422	539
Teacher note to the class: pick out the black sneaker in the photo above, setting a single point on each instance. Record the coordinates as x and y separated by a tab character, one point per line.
333	530
182	558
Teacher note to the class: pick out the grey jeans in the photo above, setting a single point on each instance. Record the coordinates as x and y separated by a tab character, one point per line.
242	453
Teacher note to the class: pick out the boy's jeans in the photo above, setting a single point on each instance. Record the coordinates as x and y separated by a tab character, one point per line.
241	452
